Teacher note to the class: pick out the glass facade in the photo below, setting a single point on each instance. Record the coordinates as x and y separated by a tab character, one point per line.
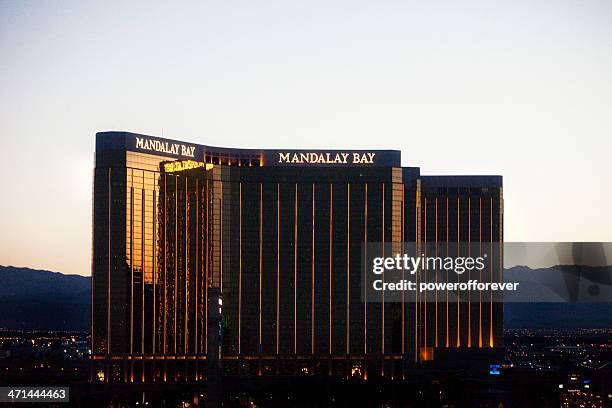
278	250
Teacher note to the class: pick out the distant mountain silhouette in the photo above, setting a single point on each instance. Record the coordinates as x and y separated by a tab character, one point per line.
42	300
570	282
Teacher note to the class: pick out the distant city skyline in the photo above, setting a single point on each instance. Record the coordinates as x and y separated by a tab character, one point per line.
517	89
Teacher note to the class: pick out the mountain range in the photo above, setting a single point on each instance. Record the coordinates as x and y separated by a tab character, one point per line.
42	300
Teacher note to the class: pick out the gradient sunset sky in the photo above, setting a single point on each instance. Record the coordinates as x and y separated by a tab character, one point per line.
518	88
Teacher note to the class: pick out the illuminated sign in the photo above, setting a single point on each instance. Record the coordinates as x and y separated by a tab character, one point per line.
327	158
268	157
166	147
347	158
172	167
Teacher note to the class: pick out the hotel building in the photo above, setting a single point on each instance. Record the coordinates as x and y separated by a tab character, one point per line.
247	262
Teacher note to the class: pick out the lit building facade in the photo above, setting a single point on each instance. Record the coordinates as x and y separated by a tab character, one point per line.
272	240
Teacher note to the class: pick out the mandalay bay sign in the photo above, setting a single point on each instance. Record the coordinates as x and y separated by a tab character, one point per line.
326	157
167	147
